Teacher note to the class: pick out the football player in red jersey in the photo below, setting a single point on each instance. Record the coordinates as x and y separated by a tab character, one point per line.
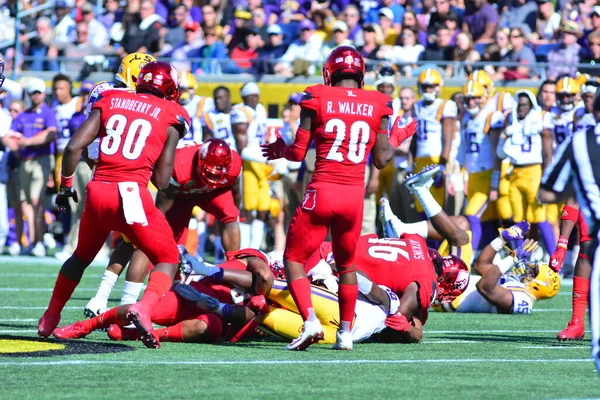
346	123
138	137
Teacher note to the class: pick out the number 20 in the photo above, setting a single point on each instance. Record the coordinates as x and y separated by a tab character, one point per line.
359	130
115	126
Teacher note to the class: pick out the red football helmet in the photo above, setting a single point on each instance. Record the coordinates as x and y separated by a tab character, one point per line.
454	277
215	162
344	60
160	79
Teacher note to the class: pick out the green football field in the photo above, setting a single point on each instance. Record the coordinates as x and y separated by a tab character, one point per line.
462	356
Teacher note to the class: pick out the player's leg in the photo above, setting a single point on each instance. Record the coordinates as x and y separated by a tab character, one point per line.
81	329
477	199
205	329
93	232
250	196
222	206
594	253
258	226
538	210
503	203
518	202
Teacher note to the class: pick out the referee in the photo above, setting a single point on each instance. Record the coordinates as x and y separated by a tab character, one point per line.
576	166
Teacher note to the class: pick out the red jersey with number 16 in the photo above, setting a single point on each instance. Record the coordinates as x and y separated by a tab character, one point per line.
344	130
133	133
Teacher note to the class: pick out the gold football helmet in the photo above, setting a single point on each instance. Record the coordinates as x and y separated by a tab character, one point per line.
485	79
130	68
430	77
567	90
188	87
474	90
541	281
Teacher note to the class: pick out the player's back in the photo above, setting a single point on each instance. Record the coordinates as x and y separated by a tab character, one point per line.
344	130
133	133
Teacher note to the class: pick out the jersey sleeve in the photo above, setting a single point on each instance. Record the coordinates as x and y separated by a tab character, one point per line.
522	302
450	110
507	102
497	121
310	99
557	175
238	116
180	119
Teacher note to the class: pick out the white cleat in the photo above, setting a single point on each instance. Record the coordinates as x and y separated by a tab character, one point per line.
392	225
38	250
14	249
422	179
94	307
312	333
343	340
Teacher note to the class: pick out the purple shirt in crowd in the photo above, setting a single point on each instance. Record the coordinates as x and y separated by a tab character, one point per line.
478	19
31	122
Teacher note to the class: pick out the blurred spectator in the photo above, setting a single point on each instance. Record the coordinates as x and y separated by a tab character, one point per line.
259	22
189	48
592	57
397	9
274	50
441	49
142	34
464	53
16	198
300	57
424	14
112	13
410	21
236	32
562	58
196	13
6	146
546	96
243	54
213	48
39	46
480	19
81	49
209	20
37	128
369	11
547	23
65	105
490	55
452	23
386	21
352	17
503	41
440	15
340	38
521	12
176	33
373	42
323	20
520	54
406	52
161	10
98	35
64	28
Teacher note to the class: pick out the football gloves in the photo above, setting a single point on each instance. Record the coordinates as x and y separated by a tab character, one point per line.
63	196
398	322
515	232
399	134
275	150
523	252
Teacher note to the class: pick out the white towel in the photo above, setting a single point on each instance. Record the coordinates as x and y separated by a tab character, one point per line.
132	203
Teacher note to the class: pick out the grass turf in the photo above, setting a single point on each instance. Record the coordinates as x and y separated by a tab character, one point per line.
462	356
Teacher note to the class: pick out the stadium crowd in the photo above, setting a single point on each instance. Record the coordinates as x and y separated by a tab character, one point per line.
293	38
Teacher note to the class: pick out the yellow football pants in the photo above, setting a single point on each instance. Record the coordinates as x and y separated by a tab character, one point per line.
503	204
524	185
465	252
478	195
256	186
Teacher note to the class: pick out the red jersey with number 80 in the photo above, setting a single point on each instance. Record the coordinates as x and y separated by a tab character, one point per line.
133	133
344	130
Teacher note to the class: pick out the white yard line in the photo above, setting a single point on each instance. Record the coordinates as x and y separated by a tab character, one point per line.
39	275
496	331
19	320
12	289
555	347
37	308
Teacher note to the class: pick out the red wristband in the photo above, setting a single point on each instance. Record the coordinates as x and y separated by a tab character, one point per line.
66	181
563	242
569	214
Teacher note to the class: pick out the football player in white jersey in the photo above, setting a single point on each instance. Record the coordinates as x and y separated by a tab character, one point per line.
66	106
195	106
476	154
249	123
217	122
436	122
524	128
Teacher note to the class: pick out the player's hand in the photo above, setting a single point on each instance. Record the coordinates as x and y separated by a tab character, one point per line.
398	322
274	151
259	305
515	232
526	249
62	198
398	135
557	259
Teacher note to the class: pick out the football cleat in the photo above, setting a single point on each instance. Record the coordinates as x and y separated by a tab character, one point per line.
192	265
75	331
47	324
421	180
311	333
575	330
343	340
392	225
118	333
185	268
139	315
201	300
94	307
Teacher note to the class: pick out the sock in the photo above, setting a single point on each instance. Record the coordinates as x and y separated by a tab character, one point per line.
201	232
158	284
244	235
101	321
219	252
347	298
581	289
207	270
171	333
548	234
258	234
131	292
109	279
475	224
300	290
226	311
430	205
63	289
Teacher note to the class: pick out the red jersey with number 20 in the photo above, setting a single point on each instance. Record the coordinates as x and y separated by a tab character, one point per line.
133	133
345	130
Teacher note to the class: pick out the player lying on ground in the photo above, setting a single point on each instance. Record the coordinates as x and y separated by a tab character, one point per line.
215	302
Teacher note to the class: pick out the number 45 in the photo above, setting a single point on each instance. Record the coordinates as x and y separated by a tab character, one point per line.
359	130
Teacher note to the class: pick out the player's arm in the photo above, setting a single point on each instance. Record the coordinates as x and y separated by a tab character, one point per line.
454	229
488	286
43	137
163	169
448	127
240	133
84	136
166	198
382	152
207	133
547	146
236	193
406	325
